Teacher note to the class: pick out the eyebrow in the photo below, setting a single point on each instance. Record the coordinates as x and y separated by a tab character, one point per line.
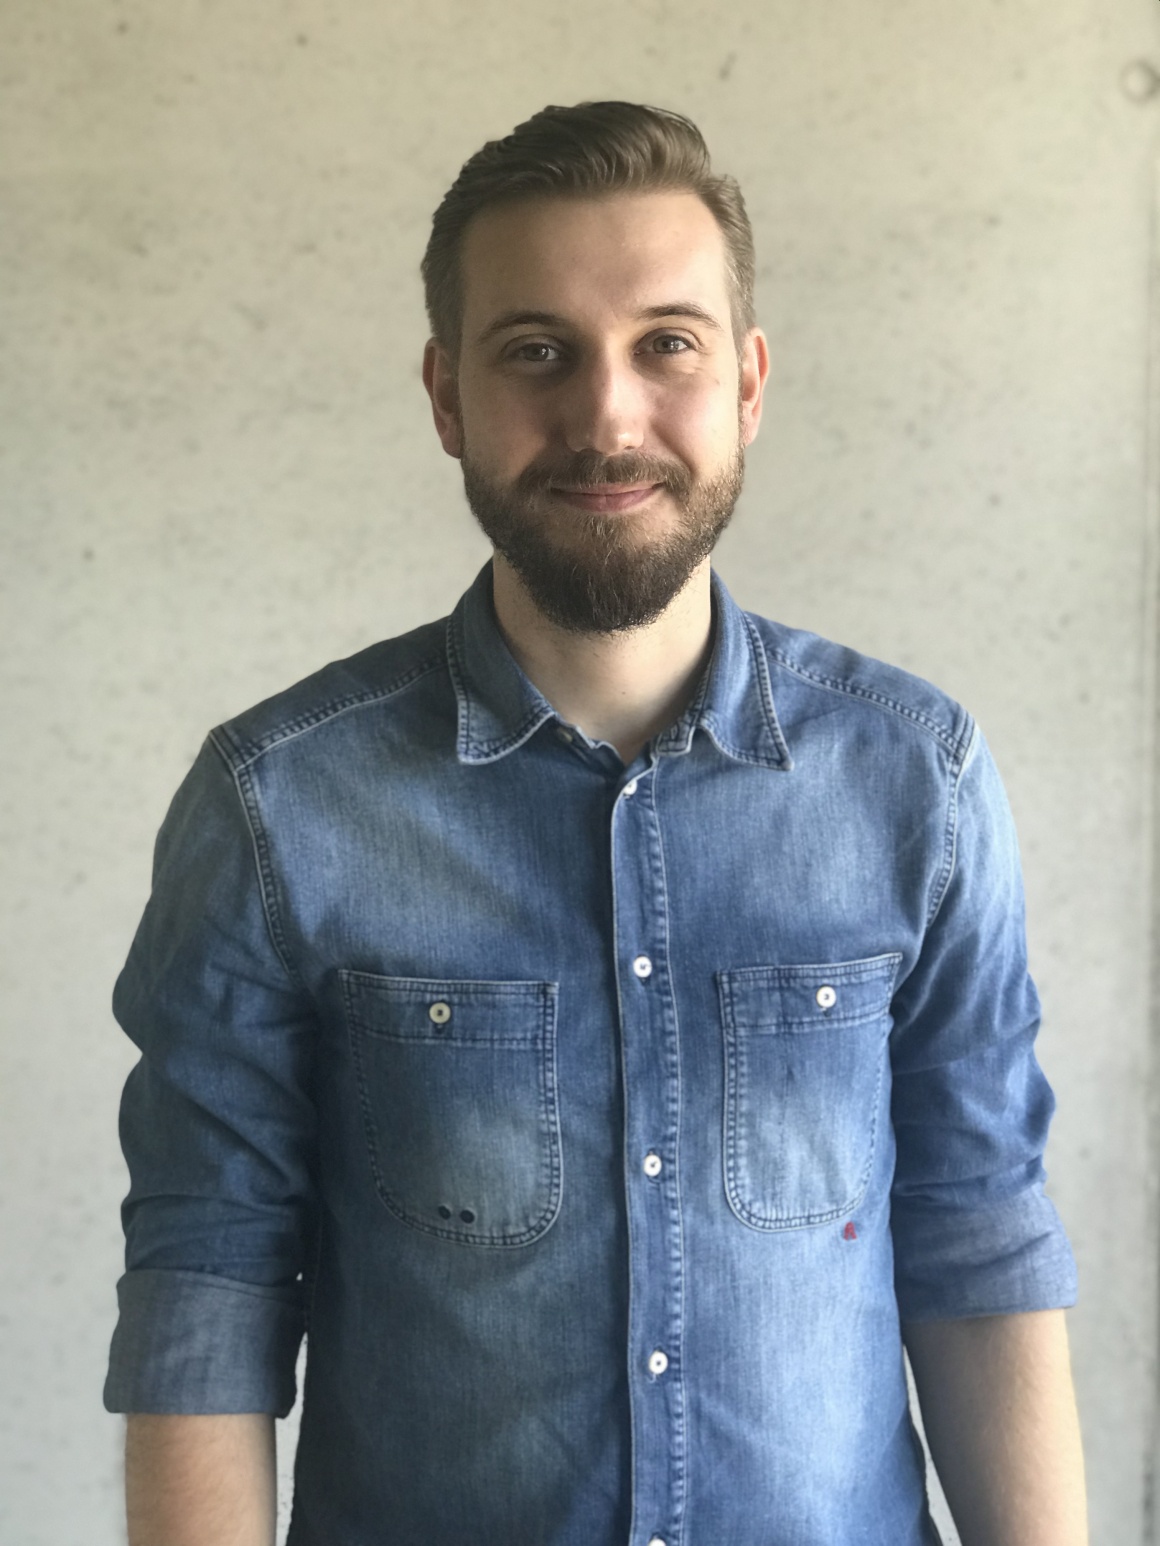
510	319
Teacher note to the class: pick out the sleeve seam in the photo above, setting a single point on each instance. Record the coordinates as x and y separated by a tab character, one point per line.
263	865
951	831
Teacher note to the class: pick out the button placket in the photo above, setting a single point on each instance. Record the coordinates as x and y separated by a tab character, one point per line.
651	1083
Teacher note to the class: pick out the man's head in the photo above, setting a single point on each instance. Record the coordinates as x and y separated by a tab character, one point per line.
587	151
594	363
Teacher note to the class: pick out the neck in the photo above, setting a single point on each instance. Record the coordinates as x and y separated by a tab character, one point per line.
622	688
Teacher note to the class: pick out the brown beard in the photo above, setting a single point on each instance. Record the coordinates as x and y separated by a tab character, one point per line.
586	571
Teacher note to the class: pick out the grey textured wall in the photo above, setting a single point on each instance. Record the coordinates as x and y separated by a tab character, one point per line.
217	471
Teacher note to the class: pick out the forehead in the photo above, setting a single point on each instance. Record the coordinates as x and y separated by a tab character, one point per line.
612	255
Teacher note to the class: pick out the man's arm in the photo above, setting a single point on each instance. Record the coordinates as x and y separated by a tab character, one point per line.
1000	1417
200	1481
218	1125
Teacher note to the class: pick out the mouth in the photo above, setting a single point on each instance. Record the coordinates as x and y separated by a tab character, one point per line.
607	498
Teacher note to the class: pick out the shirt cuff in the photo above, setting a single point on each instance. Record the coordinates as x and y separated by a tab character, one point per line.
191	1342
1008	1258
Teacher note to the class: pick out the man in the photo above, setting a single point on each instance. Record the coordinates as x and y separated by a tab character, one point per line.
602	1016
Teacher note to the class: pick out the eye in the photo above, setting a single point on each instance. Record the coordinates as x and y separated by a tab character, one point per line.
670	343
536	352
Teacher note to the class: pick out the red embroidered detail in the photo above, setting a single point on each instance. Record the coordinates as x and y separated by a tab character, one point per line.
850	1233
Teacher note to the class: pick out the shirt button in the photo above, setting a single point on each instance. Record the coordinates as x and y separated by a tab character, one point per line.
439	1013
826	998
630	787
657	1362
564	735
652	1164
655	1540
642	966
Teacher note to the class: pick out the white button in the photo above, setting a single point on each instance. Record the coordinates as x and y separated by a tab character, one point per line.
655	1540
642	966
630	787
657	1362
440	1013
652	1165
826	997
565	735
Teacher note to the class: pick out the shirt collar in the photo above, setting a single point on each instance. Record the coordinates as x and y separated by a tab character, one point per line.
500	709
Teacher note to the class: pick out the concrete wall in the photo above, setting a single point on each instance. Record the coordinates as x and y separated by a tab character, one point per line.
217	471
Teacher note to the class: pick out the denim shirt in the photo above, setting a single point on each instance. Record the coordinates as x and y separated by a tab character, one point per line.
599	1123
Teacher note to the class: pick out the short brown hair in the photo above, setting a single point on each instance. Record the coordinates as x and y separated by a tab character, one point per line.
591	149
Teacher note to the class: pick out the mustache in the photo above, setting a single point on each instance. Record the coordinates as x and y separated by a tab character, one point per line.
590	470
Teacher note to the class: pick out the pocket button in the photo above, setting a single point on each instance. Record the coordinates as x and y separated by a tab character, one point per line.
826	997
439	1013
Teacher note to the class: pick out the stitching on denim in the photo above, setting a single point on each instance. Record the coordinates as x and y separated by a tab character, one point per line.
500	745
551	1166
249	751
801	972
263	865
808	1025
945	737
677	1396
761	665
780	759
882	969
634	1405
735	1066
416	990
951	829
455	669
433	1039
754	759
372	987
471	747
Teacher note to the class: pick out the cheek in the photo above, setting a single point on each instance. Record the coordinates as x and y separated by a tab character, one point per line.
701	420
501	428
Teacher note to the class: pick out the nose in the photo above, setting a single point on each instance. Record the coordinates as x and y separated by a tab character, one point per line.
602	408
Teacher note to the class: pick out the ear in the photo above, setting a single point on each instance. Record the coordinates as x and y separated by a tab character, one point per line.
754	366
440	379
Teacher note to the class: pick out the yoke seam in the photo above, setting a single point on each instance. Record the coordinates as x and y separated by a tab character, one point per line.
954	745
249	751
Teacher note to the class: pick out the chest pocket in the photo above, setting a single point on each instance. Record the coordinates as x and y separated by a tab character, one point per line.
805	1053
458	1088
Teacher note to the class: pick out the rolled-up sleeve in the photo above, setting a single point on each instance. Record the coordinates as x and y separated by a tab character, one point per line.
974	1232
217	1124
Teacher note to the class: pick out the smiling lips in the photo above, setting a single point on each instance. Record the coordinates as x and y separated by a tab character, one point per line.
608	498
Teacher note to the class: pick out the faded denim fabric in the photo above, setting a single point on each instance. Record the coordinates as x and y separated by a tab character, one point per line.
598	1122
